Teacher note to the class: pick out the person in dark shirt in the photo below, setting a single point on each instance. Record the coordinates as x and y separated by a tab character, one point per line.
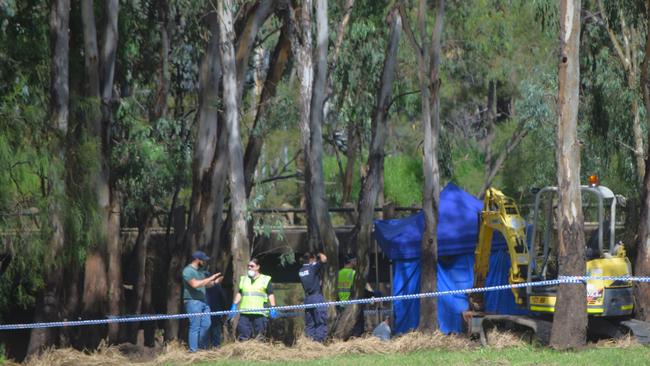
310	277
216	299
195	283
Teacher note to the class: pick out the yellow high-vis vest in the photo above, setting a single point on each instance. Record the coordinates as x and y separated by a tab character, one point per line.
346	279
254	294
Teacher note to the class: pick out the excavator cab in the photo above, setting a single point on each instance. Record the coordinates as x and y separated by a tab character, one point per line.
603	255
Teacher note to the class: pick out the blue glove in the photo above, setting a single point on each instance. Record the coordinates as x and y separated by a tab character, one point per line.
232	315
273	313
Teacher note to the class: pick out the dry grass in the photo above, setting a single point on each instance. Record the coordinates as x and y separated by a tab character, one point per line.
504	339
624	342
304	349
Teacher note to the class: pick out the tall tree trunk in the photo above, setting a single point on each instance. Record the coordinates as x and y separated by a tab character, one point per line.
203	208
637	132
642	265
431	196
247	27
91	58
351	156
113	249
318	202
301	48
201	214
239	244
159	108
362	234
178	256
253	21
429	81
95	286
279	61
147	301
570	318
140	257
47	306
102	277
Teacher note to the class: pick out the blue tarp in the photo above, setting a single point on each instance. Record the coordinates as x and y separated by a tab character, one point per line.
457	228
401	241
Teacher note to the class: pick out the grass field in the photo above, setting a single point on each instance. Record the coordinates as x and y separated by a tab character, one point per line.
527	355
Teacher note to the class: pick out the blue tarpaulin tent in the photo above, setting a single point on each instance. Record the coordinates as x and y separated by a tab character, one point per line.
400	240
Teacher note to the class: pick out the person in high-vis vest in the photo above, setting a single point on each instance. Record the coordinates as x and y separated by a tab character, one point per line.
255	292
344	290
346	278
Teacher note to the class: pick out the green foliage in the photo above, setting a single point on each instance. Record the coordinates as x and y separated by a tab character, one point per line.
403	180
287	258
147	158
533	163
25	168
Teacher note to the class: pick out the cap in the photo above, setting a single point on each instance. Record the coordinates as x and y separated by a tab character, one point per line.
200	255
350	257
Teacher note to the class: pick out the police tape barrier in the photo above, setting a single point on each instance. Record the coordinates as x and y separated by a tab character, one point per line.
145	318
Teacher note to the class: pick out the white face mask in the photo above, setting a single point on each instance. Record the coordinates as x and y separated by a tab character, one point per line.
251	273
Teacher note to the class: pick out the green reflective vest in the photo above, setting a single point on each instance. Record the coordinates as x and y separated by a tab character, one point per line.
346	279
254	294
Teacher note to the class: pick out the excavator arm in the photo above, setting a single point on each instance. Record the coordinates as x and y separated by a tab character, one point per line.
500	213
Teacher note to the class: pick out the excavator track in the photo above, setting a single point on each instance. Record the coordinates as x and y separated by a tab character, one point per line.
539	329
637	328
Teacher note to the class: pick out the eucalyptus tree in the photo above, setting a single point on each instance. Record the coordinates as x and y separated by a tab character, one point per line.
642	265
103	274
311	69
428	56
48	303
627	45
239	244
362	233
570	318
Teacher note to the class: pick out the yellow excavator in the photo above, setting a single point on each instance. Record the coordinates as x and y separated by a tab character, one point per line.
609	303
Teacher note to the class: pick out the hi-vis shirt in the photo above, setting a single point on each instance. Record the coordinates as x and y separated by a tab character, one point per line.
310	278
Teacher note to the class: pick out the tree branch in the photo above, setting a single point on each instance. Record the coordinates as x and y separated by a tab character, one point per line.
612	36
401	95
278	177
340	32
409	31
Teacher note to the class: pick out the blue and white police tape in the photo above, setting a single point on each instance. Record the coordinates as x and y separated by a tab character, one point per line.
289	308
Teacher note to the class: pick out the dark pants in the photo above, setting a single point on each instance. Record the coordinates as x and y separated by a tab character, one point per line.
215	330
250	324
316	319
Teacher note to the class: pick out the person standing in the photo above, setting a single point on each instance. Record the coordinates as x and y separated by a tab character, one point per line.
346	277
194	283
344	290
255	292
310	277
